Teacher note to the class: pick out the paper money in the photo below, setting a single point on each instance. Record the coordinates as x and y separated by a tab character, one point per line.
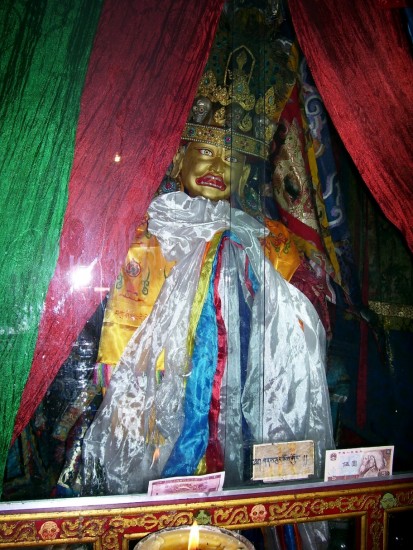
188	484
283	461
362	462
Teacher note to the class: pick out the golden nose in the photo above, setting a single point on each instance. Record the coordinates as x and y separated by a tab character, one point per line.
218	164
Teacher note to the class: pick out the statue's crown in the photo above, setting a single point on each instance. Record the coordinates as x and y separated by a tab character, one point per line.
229	115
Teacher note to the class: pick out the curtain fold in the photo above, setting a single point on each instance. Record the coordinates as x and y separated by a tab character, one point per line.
362	65
144	68
45	48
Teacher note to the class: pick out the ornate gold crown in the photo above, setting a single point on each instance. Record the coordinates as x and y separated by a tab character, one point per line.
230	115
221	137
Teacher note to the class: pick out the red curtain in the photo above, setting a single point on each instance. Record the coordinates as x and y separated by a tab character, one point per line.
145	65
359	55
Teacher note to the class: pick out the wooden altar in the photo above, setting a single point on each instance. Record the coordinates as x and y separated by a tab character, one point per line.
115	523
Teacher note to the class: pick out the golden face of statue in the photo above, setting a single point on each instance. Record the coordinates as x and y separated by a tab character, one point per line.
212	172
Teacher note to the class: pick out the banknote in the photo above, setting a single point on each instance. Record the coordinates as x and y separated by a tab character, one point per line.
282	461
361	462
187	484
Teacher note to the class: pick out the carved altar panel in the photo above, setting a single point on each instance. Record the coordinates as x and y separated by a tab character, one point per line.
111	523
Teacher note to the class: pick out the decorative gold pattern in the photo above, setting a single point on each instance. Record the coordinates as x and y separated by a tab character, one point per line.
112	529
17	531
82	528
227	109
298	199
376	534
236	82
404	498
72	528
232	516
152	522
221	137
392	310
110	541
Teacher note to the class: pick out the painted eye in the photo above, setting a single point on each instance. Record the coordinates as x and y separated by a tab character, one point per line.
232	160
206	152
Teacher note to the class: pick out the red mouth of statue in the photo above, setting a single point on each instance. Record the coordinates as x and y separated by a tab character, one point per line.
209	180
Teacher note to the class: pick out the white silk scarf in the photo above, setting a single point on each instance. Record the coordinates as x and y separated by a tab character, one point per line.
284	396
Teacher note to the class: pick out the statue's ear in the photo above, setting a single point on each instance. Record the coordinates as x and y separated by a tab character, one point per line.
243	179
177	161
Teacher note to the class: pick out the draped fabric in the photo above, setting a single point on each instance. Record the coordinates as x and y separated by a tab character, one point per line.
204	402
331	182
145	64
45	51
360	58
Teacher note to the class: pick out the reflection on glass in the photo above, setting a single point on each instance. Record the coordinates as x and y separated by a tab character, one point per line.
294	183
400	531
342	534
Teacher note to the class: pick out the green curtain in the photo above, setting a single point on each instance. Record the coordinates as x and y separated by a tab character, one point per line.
45	52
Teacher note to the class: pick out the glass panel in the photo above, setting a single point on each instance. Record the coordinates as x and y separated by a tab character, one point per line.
343	534
298	274
400	530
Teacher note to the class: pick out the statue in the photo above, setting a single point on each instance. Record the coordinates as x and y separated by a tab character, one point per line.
231	354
